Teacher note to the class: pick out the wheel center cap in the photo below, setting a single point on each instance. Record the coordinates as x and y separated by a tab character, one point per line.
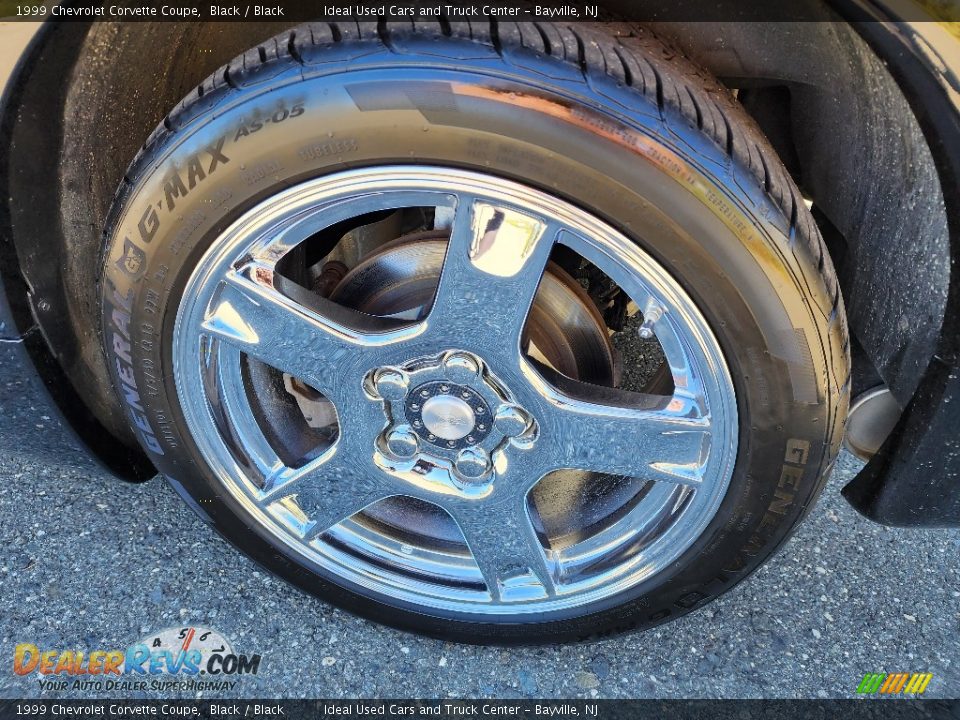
448	417
447	414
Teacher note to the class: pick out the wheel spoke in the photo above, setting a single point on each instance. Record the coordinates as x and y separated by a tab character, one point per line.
491	272
328	489
503	543
294	330
649	437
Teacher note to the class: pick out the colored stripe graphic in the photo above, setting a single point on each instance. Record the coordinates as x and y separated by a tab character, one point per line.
888	683
871	682
914	683
893	683
900	679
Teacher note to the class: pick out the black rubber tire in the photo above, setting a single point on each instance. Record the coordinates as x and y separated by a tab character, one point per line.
605	116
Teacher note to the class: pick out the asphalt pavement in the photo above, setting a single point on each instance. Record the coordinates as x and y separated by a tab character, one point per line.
87	562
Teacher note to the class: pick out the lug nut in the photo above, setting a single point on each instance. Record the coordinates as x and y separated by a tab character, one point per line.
472	463
512	420
391	383
402	443
461	367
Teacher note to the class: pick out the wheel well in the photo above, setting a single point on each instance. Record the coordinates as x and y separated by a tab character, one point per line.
74	119
854	147
83	108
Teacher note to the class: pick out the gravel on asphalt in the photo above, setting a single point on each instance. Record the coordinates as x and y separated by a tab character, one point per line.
88	561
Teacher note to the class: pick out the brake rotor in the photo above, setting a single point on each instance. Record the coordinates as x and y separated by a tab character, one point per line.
564	329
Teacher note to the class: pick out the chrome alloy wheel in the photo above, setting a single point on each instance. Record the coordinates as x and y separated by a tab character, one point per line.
449	409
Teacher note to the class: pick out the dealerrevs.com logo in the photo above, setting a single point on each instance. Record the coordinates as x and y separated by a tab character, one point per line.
186	658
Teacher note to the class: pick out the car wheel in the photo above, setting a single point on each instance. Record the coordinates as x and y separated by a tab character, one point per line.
496	332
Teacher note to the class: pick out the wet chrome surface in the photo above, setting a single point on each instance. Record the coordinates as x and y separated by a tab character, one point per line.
681	448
